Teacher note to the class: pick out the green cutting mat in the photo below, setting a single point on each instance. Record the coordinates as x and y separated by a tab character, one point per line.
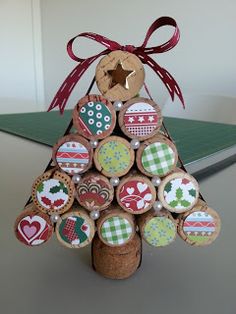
194	139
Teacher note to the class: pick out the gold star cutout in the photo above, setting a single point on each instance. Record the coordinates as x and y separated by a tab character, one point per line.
119	76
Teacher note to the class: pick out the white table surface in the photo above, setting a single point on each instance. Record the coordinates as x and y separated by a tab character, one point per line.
52	279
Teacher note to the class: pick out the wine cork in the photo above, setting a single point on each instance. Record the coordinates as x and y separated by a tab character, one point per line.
33	227
158	229
94	191
135	194
157	156
119	75
178	191
75	229
115	227
53	192
200	226
94	117
140	118
114	156
73	154
117	262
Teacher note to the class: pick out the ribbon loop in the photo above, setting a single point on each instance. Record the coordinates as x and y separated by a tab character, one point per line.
142	52
109	44
168	45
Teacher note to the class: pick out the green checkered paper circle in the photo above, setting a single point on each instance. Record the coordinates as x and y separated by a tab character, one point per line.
158	159
116	230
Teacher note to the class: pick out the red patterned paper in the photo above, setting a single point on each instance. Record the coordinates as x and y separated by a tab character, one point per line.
141	119
33	230
135	195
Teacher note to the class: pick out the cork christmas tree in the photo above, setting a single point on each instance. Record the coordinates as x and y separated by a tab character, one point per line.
116	178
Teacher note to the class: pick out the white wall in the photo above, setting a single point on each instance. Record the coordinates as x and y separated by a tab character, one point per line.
21	81
202	63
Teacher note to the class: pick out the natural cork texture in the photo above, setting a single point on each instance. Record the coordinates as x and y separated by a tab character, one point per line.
135	194
53	192
140	118
73	154
114	156
119	75
157	156
94	117
200	226
116	262
178	191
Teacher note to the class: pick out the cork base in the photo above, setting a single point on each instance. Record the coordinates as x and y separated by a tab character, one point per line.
117	262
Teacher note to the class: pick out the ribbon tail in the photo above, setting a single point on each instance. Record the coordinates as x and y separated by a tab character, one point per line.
68	85
165	76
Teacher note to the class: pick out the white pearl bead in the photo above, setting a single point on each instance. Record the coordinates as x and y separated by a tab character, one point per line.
156	181
76	178
135	143
118	105
94	143
94	214
55	218
114	181
157	206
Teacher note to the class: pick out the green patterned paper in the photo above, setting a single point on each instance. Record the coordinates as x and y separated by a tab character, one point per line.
159	231
96	117
114	157
158	158
180	194
116	230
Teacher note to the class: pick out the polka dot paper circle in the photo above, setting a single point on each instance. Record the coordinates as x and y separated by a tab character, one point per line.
94	117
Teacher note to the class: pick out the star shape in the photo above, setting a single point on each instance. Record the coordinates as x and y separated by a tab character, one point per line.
151	118
131	119
119	76
141	119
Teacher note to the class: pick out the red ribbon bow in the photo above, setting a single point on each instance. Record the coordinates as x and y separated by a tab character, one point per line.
142	52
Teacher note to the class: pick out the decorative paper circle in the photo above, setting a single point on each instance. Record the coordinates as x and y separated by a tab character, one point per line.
94	192
94	117
75	229
178	192
136	194
157	156
119	75
140	118
116	230
73	154
159	231
114	156
200	226
33	227
53	192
